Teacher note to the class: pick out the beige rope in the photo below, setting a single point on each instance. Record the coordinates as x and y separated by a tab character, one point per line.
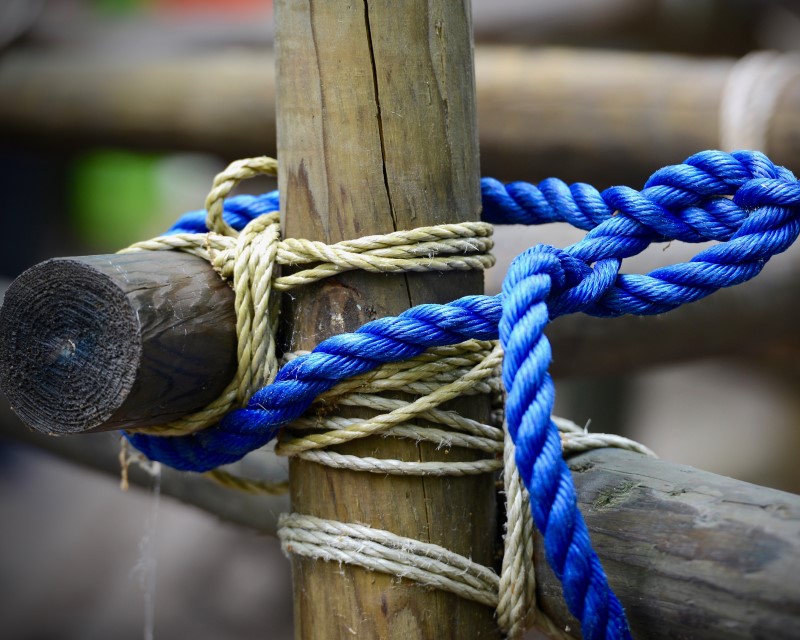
372	426
248	485
248	259
378	550
436	381
226	181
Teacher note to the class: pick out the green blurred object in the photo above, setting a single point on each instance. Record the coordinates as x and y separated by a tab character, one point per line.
114	197
117	7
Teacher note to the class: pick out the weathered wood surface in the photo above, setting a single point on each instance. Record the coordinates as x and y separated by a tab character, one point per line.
110	342
376	132
689	553
751	320
588	115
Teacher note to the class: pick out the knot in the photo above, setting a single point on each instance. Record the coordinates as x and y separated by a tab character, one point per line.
565	284
769	192
741	199
690	202
247	250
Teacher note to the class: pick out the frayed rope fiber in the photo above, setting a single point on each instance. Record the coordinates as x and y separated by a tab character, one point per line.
742	200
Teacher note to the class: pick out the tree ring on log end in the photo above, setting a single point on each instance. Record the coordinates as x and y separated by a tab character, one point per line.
70	346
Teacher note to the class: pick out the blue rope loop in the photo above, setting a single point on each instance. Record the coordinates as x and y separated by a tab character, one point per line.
742	200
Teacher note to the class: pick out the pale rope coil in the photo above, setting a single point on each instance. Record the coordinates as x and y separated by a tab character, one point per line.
403	413
750	95
378	550
440	248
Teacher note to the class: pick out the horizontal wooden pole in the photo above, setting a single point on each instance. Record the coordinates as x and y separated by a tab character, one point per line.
42	326
689	553
115	341
594	116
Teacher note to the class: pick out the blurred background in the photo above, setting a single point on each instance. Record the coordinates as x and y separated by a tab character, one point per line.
116	114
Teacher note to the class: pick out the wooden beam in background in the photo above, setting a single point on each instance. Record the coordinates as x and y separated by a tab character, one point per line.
582	115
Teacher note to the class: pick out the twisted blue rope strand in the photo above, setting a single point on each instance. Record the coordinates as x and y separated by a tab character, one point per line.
686	202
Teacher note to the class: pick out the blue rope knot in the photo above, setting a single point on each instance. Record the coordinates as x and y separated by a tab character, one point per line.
741	200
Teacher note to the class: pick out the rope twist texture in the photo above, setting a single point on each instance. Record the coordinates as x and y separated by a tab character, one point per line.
741	200
248	257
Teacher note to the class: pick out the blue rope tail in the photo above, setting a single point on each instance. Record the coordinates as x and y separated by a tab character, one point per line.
541	464
690	202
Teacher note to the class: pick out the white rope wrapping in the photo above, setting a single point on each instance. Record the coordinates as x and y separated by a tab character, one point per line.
376	550
751	92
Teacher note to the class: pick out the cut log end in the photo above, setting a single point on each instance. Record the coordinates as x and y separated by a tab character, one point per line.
117	341
69	346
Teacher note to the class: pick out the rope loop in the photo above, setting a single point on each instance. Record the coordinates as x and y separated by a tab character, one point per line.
226	181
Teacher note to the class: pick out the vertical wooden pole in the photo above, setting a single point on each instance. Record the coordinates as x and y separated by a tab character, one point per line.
377	132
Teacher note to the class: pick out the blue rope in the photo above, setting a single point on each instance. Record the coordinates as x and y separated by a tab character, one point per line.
690	202
237	212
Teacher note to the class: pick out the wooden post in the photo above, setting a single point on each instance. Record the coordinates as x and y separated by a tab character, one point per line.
376	132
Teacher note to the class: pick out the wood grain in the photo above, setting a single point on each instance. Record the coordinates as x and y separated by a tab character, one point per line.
376	132
116	341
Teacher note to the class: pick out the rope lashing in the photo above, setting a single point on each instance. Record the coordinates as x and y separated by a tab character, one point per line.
437	375
689	202
741	199
513	591
248	250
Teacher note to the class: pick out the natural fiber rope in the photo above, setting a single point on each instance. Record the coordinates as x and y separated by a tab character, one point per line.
437	376
750	96
376	550
248	259
516	608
